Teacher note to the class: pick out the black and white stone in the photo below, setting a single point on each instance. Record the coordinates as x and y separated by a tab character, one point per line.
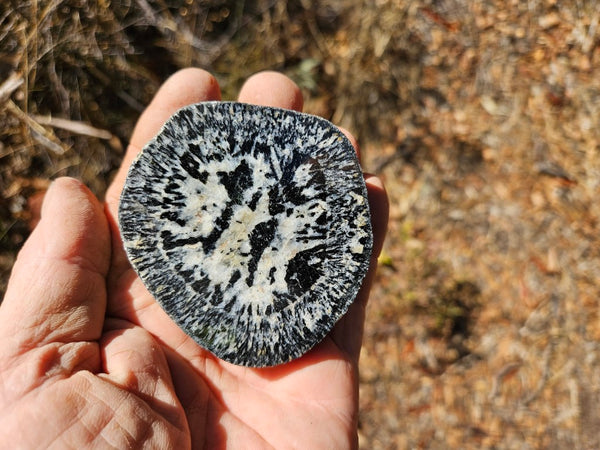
250	226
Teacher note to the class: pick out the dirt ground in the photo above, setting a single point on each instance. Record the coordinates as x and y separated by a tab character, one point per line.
482	119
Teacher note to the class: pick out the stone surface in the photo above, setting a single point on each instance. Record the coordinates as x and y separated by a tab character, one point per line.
250	226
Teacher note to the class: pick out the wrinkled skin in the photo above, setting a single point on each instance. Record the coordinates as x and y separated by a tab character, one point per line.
88	358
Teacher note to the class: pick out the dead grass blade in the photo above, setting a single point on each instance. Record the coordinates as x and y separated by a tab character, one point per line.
10	85
40	134
73	126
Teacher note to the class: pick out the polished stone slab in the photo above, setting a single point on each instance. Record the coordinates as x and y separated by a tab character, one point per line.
250	226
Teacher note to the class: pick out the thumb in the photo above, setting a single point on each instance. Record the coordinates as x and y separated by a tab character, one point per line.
57	290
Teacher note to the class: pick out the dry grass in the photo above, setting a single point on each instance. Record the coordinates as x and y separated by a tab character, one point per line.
482	117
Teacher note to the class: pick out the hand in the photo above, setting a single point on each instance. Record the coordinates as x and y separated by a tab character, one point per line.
87	356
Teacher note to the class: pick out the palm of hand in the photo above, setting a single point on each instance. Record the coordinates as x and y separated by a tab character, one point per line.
88	356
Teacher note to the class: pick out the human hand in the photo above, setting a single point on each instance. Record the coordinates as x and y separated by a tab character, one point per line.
87	356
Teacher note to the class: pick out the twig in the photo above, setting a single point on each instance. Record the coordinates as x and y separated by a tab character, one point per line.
501	375
544	378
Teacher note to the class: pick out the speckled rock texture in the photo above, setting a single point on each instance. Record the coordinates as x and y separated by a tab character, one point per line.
250	226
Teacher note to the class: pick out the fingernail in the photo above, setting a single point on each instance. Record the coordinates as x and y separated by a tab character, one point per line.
374	181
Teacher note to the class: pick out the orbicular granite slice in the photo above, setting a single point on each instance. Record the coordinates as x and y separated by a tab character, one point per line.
250	226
